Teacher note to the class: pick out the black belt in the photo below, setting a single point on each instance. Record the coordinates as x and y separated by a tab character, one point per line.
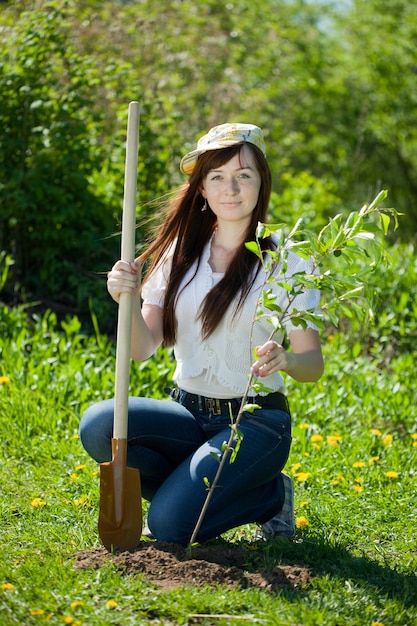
220	406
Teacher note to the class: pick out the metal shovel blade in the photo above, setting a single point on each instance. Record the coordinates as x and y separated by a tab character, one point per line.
120	516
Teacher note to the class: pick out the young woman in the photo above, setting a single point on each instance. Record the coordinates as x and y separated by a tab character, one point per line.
200	295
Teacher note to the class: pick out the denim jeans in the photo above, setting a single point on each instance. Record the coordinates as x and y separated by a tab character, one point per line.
175	451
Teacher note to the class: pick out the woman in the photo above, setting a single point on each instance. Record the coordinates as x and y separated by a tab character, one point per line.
200	295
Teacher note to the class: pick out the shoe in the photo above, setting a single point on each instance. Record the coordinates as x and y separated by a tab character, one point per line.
282	524
146	532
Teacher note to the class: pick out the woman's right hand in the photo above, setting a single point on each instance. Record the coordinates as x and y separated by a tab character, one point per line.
124	277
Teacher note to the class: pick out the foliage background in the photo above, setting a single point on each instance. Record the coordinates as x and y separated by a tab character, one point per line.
332	84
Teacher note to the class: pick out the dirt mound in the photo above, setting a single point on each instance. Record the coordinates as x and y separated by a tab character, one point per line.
167	565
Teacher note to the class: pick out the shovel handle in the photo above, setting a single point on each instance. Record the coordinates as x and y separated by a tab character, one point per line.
124	323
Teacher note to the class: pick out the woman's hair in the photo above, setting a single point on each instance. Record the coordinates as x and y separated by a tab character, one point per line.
185	222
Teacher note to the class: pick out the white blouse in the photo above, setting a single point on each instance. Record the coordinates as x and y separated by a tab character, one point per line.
219	367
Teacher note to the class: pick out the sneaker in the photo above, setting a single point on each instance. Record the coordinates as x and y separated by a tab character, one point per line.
146	532
282	524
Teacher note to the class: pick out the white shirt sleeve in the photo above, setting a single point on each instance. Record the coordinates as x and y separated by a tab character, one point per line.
153	290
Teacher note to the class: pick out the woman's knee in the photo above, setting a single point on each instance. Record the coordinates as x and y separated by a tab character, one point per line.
96	428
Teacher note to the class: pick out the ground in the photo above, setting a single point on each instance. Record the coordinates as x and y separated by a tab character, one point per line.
169	566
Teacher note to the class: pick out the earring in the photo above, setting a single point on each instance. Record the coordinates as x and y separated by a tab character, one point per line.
205	206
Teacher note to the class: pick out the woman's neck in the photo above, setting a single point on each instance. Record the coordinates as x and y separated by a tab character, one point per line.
224	245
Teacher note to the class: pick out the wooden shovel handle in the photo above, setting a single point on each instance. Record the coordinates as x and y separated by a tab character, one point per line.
124	323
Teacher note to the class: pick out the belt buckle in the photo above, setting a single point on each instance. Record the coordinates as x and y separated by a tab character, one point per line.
214	406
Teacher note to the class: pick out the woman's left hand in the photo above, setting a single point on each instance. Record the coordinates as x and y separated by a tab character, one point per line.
271	358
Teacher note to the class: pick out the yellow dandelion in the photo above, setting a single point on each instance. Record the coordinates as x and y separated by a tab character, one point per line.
359	479
357	488
414	444
316	438
303	476
81	501
37	612
295	467
359	464
4	380
76	436
7	586
80	467
387	440
111	604
375	432
316	446
377	624
391	474
333	440
373	459
301	522
414	436
304	426
304	504
73	478
38	502
76	604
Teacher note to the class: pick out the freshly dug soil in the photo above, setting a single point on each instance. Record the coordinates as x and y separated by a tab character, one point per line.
167	566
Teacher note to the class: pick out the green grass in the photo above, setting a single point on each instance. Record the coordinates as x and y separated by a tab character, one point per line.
358	424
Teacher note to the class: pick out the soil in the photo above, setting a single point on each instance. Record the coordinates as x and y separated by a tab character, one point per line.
168	566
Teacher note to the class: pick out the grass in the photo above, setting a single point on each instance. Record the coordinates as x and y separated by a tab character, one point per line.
353	462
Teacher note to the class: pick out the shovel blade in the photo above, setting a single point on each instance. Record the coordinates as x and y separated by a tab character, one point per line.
120	516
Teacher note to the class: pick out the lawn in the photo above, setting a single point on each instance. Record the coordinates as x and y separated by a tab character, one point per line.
353	461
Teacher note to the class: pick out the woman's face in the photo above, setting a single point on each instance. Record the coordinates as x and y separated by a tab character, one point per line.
232	189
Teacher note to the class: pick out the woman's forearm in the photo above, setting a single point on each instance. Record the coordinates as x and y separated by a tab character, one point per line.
146	330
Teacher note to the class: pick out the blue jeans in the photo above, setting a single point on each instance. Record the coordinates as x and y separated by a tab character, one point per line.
173	450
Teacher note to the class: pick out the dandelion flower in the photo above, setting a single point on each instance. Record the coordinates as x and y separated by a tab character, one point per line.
7	586
357	488
377	624
301	522
375	432
37	612
295	467
80	467
38	502
391	474
76	604
111	604
333	440
81	501
304	504
359	464
414	436
316	438
304	426
4	380
373	459
387	440
303	476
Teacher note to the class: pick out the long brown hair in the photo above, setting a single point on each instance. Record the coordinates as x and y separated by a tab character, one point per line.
192	228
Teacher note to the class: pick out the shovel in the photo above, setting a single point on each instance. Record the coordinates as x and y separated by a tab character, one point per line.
120	517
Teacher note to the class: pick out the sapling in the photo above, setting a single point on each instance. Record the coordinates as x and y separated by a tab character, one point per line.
346	290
